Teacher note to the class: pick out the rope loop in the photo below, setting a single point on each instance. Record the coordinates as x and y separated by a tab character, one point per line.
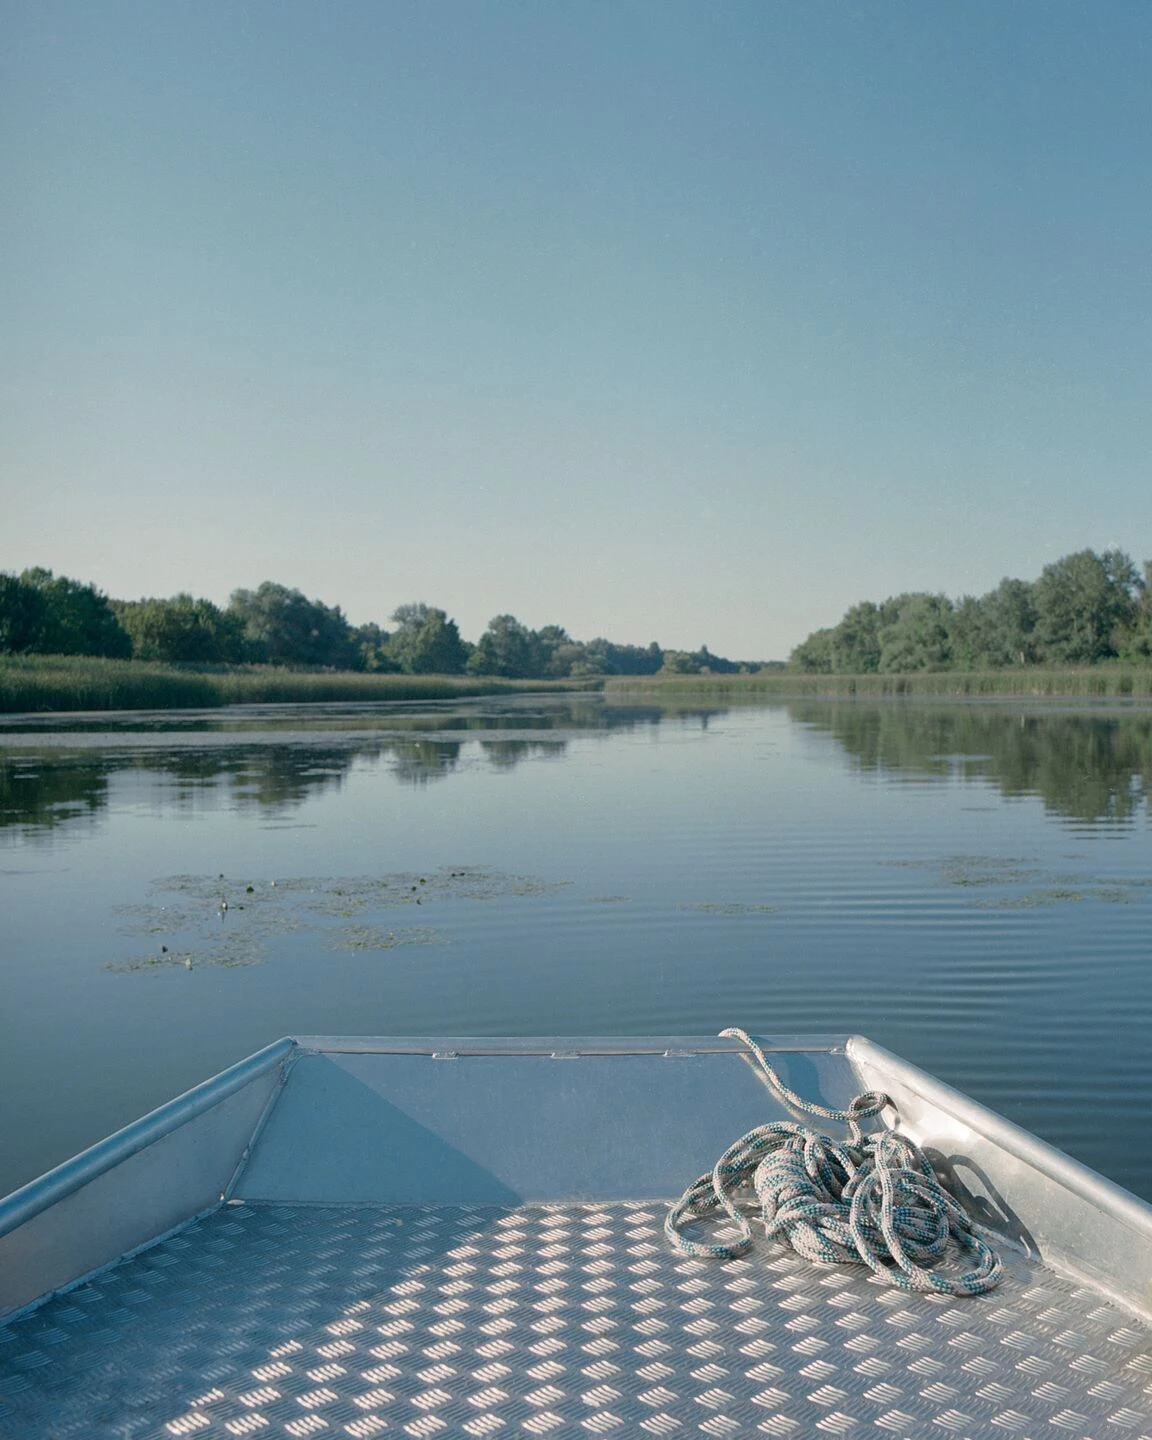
870	1200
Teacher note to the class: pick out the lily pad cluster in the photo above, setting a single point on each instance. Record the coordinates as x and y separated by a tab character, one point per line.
1025	885
230	921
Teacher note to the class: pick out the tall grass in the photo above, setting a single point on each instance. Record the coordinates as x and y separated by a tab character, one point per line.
66	682
46	683
1040	682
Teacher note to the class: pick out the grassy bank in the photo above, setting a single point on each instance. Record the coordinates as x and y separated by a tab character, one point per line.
45	683
40	683
1090	682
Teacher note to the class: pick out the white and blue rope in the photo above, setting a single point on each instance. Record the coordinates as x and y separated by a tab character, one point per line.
870	1200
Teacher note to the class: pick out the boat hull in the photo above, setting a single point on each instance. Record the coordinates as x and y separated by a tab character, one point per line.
465	1237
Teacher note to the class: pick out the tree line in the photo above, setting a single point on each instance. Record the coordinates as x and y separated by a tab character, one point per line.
1082	609
45	614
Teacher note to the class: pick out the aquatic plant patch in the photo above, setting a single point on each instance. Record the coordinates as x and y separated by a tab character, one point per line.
231	921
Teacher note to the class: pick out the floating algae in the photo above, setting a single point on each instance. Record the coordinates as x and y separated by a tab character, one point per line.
975	870
1034	899
1013	873
369	937
149	919
964	865
238	952
229	921
1062	895
165	961
1114	895
711	907
975	879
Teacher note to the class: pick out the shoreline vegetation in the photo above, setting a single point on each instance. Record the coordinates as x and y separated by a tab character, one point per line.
1082	629
46	614
1102	681
1083	609
46	684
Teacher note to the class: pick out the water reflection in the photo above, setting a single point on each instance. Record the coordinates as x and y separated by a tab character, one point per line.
269	780
419	762
504	754
1091	768
41	793
272	758
511	713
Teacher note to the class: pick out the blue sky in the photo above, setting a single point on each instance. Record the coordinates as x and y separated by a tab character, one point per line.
695	322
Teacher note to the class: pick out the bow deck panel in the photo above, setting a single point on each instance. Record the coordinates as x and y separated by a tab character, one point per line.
563	1321
442	1239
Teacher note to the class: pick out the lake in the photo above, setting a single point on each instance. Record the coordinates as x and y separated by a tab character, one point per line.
969	885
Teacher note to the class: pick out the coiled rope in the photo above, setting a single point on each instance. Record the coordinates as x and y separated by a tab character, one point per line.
871	1200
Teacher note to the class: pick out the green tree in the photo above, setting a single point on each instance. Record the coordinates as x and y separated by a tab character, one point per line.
567	659
284	627
182	630
426	641
918	636
1086	604
556	651
593	660
816	654
604	657
1008	629
1084	608
75	619
636	659
22	611
968	638
680	662
709	664
1138	643
507	648
372	645
856	640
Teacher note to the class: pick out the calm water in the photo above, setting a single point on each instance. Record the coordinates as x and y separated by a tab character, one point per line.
970	886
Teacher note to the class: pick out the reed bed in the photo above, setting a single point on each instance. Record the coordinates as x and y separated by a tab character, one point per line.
1090	682
47	683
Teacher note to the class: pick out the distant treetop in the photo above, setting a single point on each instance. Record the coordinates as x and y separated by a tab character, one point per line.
276	625
1082	609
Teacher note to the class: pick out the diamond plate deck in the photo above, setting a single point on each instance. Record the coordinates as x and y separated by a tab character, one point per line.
548	1321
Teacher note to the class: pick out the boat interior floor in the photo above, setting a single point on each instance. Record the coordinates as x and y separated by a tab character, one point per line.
549	1320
